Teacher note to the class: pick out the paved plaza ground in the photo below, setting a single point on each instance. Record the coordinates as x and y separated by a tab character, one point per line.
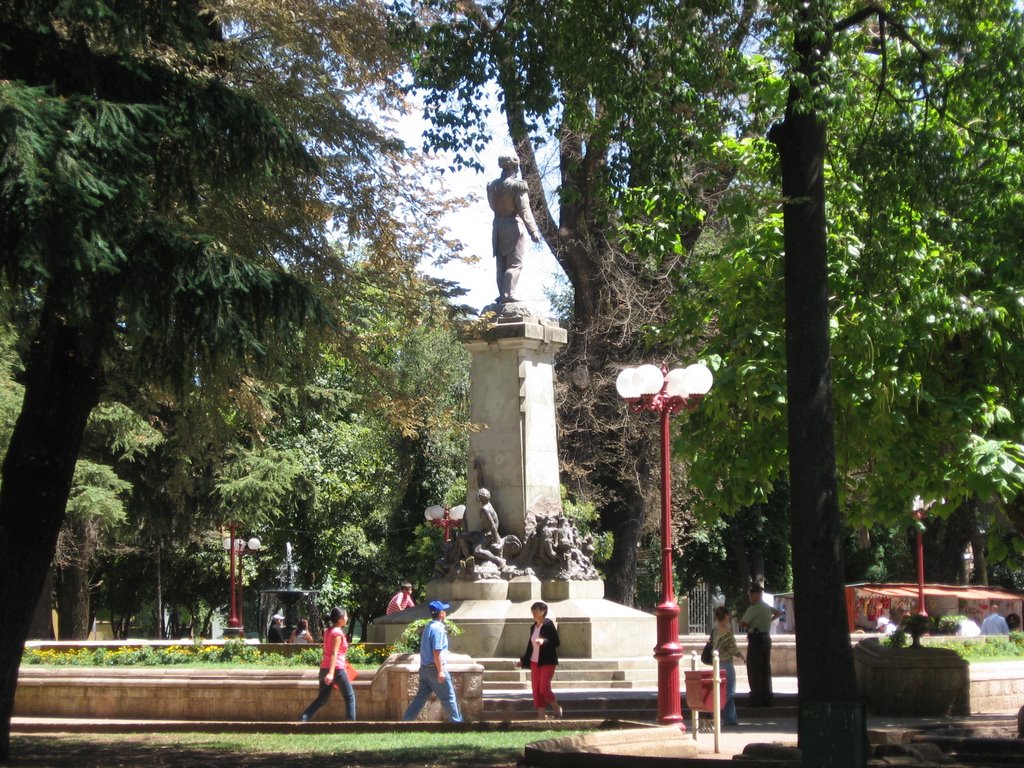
138	746
82	743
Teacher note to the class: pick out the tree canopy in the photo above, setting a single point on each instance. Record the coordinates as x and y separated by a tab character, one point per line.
171	179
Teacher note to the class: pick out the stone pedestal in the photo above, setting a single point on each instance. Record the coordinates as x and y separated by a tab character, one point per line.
402	674
912	682
589	627
515	455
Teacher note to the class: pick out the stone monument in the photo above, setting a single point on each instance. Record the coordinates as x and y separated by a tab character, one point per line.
518	546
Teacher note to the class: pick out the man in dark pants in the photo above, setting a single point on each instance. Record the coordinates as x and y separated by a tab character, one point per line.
757	621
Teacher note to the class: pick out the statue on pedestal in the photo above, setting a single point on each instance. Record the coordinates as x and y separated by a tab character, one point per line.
513	219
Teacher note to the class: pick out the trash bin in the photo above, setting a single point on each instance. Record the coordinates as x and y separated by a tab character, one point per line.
700	692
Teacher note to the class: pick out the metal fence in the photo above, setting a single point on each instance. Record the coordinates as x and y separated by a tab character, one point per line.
700	604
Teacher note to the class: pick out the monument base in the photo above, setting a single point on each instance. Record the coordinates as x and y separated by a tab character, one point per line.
494	625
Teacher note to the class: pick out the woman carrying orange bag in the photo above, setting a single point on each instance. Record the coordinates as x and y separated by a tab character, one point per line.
333	668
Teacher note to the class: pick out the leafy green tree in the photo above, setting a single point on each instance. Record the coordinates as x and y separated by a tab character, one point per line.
923	323
100	242
371	476
908	276
624	97
158	219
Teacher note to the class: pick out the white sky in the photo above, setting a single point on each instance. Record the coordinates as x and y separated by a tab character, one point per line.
472	225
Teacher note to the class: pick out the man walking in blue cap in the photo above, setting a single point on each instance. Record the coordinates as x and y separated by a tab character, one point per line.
434	677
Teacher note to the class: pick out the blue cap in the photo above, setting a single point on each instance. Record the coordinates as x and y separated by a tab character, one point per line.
436	606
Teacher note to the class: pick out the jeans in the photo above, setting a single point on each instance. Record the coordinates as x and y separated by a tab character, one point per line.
729	708
445	692
344	688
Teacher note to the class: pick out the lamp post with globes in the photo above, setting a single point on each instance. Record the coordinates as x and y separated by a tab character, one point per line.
237	547
443	517
654	388
920	511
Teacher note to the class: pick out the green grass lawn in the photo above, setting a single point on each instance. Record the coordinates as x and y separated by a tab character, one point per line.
487	749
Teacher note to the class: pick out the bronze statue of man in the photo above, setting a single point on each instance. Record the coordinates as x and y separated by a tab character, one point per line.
488	517
513	218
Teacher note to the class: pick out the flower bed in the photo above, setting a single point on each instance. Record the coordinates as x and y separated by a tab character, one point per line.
228	653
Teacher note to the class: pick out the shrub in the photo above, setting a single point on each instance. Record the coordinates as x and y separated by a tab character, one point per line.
308	657
915	625
897	639
360	654
231	652
949	625
985	648
238	650
409	640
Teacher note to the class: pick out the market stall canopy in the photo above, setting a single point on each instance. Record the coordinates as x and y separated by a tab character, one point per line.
963	592
866	602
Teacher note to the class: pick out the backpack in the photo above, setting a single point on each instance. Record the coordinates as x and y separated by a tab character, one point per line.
707	655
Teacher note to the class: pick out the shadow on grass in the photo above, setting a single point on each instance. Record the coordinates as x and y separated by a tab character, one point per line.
163	750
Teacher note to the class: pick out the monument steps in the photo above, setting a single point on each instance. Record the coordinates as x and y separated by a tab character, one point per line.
610	689
574	673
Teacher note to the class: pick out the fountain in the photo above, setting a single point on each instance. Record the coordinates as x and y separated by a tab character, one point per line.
292	602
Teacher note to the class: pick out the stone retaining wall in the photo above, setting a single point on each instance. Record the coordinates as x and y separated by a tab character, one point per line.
232	694
281	694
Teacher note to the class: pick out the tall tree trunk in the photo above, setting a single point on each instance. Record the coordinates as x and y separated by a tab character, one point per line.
625	522
62	385
979	549
739	554
831	719
42	618
945	541
73	601
160	633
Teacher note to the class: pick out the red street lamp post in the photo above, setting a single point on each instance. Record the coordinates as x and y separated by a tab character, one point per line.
236	546
653	388
920	511
443	517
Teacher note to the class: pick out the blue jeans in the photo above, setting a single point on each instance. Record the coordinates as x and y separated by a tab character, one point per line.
729	709
344	688
444	691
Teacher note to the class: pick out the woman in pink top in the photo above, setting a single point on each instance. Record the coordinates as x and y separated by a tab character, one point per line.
333	667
